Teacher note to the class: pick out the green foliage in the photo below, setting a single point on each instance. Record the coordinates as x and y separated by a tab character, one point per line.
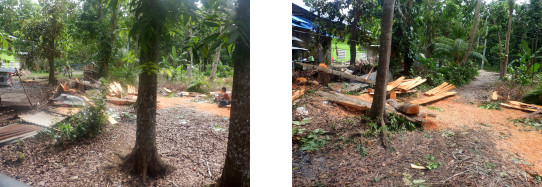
88	123
534	123
361	150
430	162
201	86
451	73
314	140
534	96
490	106
399	123
454	50
435	108
124	74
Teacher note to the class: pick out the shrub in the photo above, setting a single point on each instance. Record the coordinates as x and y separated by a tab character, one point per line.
451	73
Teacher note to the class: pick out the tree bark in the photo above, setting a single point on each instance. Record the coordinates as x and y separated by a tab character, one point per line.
472	32
485	40
379	101
501	62
507	44
217	58
144	159
189	66
378	107
51	55
236	171
109	42
353	40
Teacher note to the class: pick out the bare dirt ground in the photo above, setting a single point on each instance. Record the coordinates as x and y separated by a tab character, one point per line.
211	108
192	141
476	146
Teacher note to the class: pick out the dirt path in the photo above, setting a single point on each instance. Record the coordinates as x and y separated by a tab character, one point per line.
170	102
460	112
479	89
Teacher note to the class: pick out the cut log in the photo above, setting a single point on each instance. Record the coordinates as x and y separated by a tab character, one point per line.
301	80
432	91
365	105
432	98
337	73
167	90
406	108
298	94
494	96
393	95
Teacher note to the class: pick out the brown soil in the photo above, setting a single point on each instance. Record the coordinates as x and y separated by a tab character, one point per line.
194	142
170	102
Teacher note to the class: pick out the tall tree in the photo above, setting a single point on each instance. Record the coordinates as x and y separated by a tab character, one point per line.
236	171
149	28
378	106
472	32
507	43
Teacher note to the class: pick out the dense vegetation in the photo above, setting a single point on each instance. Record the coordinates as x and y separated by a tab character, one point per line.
446	40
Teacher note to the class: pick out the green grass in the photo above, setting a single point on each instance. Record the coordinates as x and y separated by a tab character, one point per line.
344	46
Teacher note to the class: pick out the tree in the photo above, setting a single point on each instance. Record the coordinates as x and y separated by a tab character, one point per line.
472	32
378	106
453	50
236	171
149	28
507	43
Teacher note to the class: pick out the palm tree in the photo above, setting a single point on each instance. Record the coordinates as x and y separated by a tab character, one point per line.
454	50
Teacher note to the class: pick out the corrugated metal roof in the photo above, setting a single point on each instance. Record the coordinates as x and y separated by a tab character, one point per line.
3	69
296	39
299	48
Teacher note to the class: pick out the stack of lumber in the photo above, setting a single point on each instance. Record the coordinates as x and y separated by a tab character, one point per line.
115	89
131	90
432	98
120	101
522	106
392	85
443	88
407	85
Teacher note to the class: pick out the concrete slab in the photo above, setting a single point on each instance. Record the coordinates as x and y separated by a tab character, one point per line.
14	97
42	118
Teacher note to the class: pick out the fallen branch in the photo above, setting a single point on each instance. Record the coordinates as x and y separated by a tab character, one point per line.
298	94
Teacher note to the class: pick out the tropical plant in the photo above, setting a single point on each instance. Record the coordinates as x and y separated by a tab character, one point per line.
454	50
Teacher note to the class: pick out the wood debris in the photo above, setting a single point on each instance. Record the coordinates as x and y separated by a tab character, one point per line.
131	90
432	98
120	101
522	106
407	86
443	88
406	108
337	73
392	85
298	93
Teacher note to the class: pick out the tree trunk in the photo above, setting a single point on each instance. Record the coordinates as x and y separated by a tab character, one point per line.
379	101
51	59
378	107
217	58
189	66
352	53
144	159
472	32
236	171
501	62
507	44
108	43
485	40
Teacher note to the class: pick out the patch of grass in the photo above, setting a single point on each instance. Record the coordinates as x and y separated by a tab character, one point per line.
352	92
302	122
490	106
490	165
447	133
435	108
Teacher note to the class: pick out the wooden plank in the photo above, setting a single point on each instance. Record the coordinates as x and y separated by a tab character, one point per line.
445	89
407	84
395	83
525	104
430	92
416	84
518	107
432	98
